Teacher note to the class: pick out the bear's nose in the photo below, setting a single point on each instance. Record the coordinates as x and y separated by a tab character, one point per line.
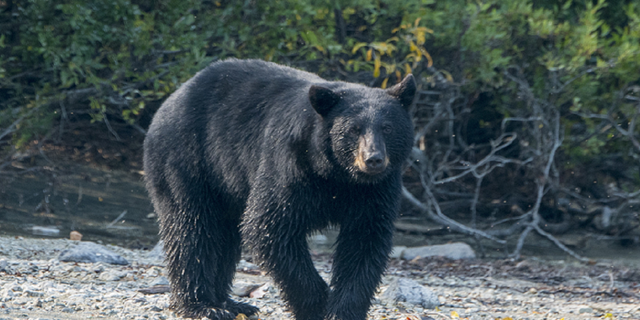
374	161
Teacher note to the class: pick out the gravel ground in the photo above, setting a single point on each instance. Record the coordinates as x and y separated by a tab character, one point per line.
34	284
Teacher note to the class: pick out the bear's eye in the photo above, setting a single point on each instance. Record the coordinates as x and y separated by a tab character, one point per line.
354	130
387	129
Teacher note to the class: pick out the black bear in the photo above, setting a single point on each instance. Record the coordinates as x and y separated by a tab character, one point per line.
252	150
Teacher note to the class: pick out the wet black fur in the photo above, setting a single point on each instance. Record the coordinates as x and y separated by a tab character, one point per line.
240	150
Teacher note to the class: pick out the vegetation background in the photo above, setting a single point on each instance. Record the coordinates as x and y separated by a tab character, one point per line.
526	119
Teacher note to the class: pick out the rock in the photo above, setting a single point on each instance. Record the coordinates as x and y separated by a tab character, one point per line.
75	235
99	267
155	289
243	289
45	231
247	267
260	292
31	293
91	252
157	252
111	275
409	291
7	295
4	267
160	281
585	310
456	250
159	285
155	308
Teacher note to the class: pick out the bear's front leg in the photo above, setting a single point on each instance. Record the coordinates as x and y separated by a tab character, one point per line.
360	259
276	232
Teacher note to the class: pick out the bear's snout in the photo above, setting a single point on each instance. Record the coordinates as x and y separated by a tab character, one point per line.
371	157
374	160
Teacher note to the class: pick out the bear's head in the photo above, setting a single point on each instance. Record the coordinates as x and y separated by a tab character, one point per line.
369	130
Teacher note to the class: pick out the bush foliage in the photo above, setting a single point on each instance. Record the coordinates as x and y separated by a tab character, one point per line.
108	64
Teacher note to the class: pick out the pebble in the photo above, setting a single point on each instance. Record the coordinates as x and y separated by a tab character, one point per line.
585	310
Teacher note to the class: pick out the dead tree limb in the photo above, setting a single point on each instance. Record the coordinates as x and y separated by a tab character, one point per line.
440	218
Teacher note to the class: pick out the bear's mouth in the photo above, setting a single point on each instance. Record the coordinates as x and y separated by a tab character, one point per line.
372	171
369	176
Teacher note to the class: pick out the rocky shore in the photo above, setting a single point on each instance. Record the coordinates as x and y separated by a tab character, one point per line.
36	284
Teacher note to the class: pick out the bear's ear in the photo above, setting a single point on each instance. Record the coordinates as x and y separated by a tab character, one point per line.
404	91
322	99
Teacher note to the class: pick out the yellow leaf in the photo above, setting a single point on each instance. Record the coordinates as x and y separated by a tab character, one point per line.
428	56
420	38
382	47
384	83
369	53
376	67
398	75
358	46
407	69
447	75
424	29
100	199
454	314
241	316
413	47
608	315
507	318
395	30
415	24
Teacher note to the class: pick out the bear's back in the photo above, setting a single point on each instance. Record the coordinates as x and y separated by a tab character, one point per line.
217	121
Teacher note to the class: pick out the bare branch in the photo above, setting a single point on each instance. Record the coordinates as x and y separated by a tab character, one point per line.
559	244
439	217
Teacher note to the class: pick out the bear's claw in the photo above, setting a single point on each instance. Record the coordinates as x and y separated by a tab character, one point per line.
240	307
210	313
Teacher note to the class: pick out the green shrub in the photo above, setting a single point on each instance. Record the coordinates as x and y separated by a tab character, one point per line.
109	64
